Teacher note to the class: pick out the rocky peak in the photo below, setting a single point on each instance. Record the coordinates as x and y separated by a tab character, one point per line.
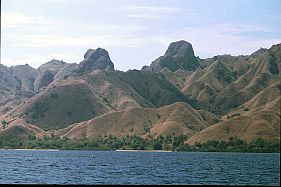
56	62
179	55
96	59
25	75
180	48
53	65
258	52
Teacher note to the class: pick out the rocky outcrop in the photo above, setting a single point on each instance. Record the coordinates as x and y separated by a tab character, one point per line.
53	65
96	59
92	99
179	55
46	79
25	76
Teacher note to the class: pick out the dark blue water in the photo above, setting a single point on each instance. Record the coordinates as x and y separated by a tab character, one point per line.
110	167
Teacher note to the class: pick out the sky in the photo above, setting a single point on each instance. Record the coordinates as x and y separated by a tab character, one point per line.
134	32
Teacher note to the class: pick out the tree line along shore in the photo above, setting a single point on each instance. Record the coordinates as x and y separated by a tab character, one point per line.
167	143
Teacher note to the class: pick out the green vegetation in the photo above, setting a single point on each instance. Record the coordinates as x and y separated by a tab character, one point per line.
216	120
62	107
39	108
105	100
273	67
233	115
235	145
209	90
4	124
279	87
146	129
224	75
110	142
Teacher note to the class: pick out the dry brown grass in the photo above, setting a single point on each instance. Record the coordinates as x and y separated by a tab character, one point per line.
178	118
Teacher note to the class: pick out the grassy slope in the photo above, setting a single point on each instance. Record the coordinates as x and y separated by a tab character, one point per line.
178	118
229	83
261	122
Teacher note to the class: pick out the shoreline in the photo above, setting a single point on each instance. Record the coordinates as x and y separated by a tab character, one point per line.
117	150
130	150
135	150
32	149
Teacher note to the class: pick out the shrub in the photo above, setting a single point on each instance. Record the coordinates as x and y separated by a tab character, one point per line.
146	129
4	124
157	146
216	120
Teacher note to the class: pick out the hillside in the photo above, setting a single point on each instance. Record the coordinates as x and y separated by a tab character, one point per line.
178	118
258	118
225	82
89	91
175	119
178	93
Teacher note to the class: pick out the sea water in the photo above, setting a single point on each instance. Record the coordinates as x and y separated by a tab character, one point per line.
112	167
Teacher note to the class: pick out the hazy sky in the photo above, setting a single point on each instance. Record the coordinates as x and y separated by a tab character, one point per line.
133	32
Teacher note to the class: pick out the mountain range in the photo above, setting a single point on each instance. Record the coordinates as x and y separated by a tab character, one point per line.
178	93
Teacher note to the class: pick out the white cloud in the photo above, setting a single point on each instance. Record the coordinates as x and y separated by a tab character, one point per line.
110	28
153	12
59	41
18	19
34	32
153	9
217	39
39	32
145	16
207	41
35	60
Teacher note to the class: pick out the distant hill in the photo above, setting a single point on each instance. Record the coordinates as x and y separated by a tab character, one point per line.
178	93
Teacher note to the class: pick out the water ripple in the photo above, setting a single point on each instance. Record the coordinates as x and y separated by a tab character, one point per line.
100	167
